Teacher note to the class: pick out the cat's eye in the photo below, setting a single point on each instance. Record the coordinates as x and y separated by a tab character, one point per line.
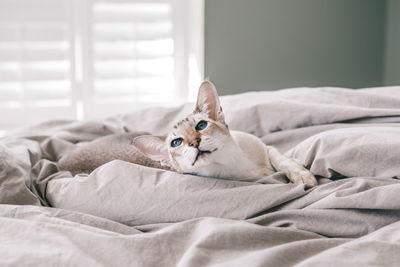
201	125
176	142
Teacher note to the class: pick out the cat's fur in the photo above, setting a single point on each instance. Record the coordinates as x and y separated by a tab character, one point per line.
87	157
216	151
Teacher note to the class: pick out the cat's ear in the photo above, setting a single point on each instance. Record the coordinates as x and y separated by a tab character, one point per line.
153	147
208	102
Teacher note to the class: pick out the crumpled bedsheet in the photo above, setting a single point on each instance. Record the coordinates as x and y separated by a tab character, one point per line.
127	214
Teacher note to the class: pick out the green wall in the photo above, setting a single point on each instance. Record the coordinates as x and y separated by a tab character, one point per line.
392	48
272	44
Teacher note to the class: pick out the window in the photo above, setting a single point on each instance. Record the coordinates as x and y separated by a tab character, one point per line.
76	59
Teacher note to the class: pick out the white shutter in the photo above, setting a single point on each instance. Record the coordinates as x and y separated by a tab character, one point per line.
131	54
93	58
35	60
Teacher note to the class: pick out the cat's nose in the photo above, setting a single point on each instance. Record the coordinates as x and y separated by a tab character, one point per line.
195	142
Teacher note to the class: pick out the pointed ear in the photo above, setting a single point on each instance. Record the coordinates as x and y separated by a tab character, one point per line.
153	147
208	102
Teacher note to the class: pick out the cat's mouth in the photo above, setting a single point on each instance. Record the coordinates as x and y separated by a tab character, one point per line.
202	152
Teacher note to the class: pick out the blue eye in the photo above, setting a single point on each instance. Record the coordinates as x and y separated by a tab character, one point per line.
201	125
176	142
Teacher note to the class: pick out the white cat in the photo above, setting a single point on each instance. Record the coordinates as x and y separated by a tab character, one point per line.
202	144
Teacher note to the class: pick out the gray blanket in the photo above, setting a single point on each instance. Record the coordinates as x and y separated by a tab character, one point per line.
123	214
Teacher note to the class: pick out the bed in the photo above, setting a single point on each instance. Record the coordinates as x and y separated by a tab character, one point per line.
124	214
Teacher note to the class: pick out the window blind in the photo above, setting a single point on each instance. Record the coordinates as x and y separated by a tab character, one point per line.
133	50
35	58
92	58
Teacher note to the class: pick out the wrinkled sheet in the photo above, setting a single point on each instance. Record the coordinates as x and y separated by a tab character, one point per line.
126	214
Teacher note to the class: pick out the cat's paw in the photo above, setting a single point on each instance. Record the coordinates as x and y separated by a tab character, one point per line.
302	176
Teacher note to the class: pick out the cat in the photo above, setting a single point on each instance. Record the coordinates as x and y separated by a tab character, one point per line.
202	144
86	157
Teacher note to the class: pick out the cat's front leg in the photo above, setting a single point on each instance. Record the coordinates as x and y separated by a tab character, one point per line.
293	170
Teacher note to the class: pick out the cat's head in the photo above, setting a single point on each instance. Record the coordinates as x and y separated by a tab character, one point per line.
194	142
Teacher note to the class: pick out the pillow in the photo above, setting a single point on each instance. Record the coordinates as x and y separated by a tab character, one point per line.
352	152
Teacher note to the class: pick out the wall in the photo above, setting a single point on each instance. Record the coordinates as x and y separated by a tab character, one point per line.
392	48
272	44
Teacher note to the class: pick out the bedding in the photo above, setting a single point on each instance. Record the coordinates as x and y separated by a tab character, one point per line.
127	214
